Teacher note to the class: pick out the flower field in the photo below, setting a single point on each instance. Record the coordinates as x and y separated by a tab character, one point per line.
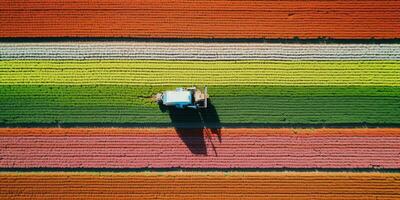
269	19
197	185
257	93
132	50
282	73
304	99
192	148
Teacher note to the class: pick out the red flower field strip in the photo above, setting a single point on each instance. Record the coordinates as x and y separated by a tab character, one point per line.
233	148
206	185
201	19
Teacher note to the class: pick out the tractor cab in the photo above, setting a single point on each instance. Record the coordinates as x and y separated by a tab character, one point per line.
183	98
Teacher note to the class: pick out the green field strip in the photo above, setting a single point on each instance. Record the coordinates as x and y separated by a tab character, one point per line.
268	73
233	105
251	92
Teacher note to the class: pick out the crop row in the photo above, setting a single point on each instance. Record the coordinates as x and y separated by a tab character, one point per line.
205	4
283	73
199	148
134	92
208	185
230	105
205	19
196	51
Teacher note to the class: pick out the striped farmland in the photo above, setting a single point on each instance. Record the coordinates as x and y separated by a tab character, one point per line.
195	51
109	93
337	19
281	73
289	117
256	93
197	148
198	185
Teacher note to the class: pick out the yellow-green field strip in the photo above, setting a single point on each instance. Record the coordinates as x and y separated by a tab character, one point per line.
245	93
268	73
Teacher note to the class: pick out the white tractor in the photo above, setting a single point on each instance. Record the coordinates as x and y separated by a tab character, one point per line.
183	98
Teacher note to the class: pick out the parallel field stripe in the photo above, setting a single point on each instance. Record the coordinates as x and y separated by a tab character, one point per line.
200	148
339	19
200	185
196	51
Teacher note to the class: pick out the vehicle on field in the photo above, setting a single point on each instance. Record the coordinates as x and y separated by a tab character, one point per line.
190	97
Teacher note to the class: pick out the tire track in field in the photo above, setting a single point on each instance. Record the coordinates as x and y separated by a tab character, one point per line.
197	148
197	51
200	185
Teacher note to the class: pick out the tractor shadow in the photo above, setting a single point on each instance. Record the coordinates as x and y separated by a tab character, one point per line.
194	127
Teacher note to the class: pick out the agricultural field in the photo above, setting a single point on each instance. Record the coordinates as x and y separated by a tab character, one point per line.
200	185
304	99
269	73
133	50
254	93
199	148
270	19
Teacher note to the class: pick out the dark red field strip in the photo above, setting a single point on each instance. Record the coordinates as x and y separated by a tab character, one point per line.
338	19
231	148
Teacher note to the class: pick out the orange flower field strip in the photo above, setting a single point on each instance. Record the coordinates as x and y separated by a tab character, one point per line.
337	19
207	185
